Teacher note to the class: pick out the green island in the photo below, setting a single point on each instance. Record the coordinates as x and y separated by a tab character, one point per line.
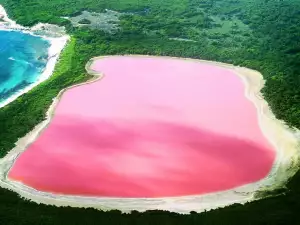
258	34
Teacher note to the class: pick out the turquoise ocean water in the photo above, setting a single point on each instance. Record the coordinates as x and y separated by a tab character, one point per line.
23	58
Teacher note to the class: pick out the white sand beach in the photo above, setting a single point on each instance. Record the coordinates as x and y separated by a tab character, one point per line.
57	43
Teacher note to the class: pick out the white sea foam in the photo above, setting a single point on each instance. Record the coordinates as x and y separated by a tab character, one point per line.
20	61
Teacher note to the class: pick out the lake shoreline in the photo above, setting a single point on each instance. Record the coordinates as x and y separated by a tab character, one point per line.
57	43
284	166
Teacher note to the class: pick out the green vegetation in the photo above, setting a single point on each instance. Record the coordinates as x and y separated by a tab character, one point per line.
259	34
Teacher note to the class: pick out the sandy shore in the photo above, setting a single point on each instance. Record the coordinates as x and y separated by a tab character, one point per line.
55	36
284	139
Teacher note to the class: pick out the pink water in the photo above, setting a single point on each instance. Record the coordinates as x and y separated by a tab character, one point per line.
151	127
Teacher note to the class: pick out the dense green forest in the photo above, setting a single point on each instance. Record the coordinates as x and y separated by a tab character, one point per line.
259	34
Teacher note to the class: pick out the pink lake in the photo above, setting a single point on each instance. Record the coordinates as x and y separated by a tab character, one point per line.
151	127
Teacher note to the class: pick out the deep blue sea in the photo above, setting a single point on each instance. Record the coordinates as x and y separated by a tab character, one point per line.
23	58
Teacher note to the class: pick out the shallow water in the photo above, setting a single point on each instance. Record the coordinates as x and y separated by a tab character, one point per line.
151	127
23	58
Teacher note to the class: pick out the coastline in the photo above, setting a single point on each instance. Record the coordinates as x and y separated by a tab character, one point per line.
284	140
57	44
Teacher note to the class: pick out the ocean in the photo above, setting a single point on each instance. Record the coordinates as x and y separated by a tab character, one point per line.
23	58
